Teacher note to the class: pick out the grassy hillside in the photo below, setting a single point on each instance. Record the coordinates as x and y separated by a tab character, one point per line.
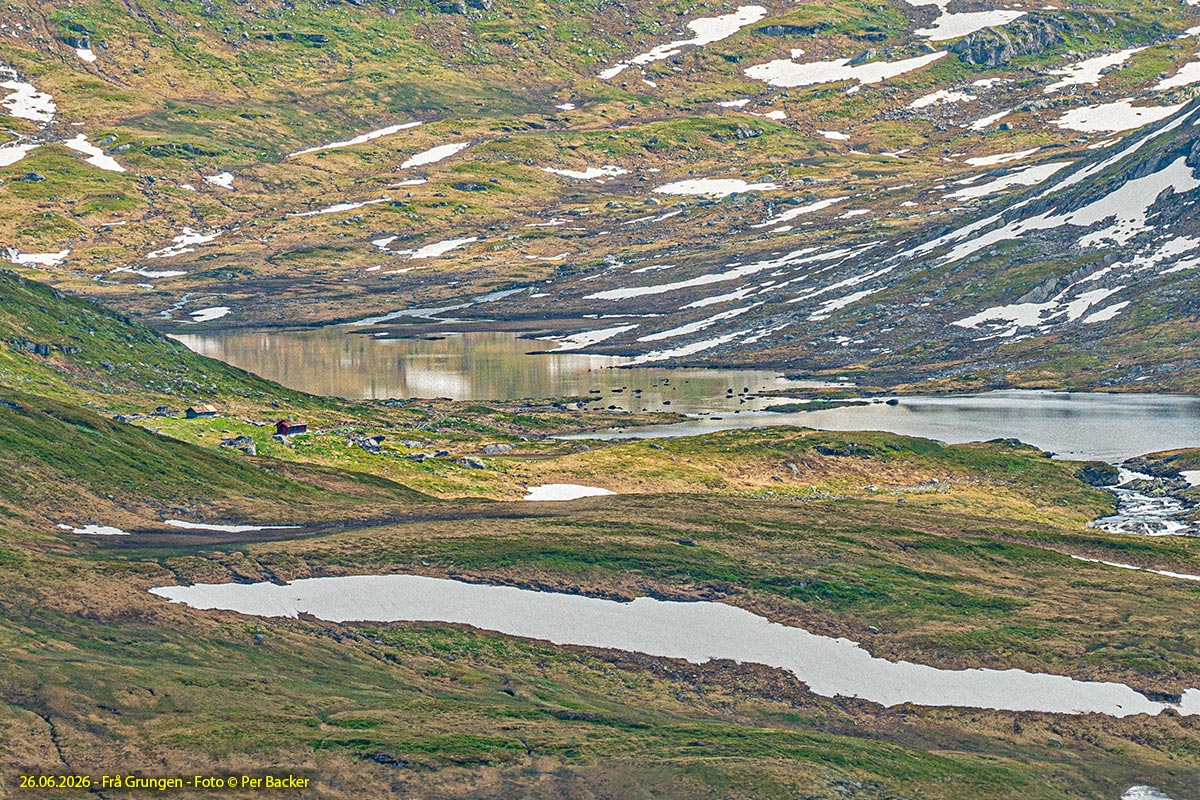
67	347
103	676
956	556
181	92
949	555
67	465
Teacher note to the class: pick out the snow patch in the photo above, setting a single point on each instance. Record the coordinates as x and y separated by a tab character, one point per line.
800	211
364	138
428	251
339	207
988	121
183	243
95	156
434	154
563	491
1030	176
1090	71
578	341
205	526
1182	576
685	350
589	174
699	325
958	25
706	29
147	273
1025	315
12	152
1002	158
36	259
731	273
209	314
24	101
1187	75
942	97
441	248
787	73
94	530
1105	314
222	179
713	187
1114	117
1142	792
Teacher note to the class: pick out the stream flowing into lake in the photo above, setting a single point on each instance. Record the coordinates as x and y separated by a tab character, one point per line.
502	366
695	631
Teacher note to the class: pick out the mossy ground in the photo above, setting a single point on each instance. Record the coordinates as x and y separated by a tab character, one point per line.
858	541
970	570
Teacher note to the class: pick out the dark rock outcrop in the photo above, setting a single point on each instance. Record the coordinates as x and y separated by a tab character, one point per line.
1029	35
1099	474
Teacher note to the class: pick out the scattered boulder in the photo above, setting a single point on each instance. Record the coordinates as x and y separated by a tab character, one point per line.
243	443
1157	467
32	177
496	449
369	443
26	346
863	57
1099	474
471	462
844	449
1009	442
1032	34
793	30
1157	487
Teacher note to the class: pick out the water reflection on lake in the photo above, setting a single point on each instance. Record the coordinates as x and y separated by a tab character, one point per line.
497	366
475	366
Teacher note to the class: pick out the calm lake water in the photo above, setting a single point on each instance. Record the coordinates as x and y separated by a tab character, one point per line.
1108	427
476	366
698	632
497	366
